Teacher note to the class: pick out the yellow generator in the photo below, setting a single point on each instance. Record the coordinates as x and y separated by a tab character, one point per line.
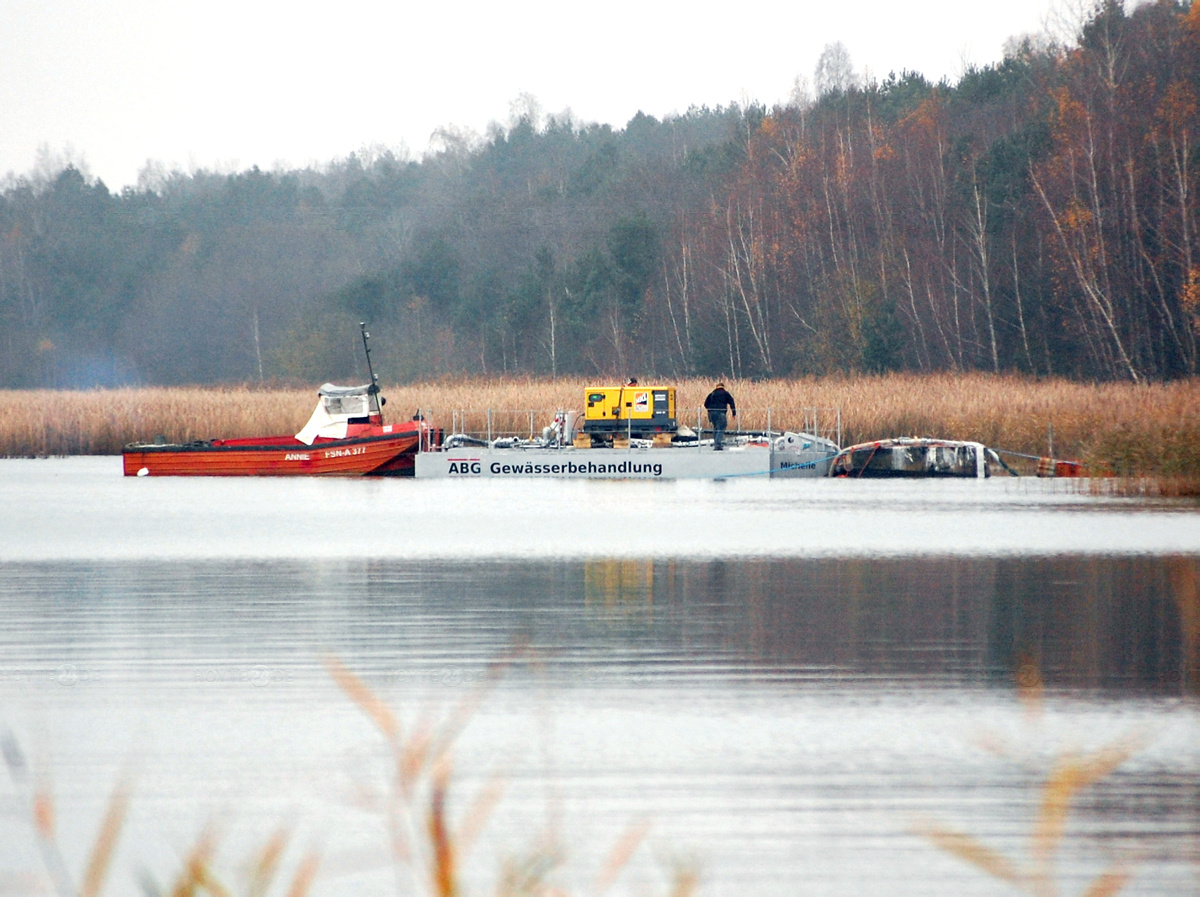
639	411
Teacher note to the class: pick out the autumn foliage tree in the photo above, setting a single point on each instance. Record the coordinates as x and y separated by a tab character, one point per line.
1038	216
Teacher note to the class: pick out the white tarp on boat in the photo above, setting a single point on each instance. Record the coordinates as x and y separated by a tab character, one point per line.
336	406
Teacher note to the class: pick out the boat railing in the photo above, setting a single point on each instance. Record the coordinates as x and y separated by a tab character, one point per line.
528	423
493	423
823	422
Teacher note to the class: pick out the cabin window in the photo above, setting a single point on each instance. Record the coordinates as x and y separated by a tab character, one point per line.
353	406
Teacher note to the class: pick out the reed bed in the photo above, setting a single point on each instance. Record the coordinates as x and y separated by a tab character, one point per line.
1114	429
102	422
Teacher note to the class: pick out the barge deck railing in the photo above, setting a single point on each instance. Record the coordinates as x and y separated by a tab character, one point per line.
527	423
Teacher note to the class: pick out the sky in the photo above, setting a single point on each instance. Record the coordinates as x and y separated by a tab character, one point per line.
220	85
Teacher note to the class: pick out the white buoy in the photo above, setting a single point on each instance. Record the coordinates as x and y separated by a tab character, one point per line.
144	472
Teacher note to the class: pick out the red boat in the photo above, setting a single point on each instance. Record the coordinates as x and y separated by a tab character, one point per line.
346	436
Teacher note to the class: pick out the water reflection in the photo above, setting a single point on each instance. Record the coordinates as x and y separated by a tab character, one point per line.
1127	625
786	720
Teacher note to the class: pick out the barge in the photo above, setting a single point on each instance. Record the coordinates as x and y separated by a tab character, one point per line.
783	455
628	432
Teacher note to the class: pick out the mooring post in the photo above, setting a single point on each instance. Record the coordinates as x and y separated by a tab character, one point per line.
770	445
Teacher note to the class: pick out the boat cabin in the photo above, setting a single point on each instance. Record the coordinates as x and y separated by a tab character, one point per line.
341	411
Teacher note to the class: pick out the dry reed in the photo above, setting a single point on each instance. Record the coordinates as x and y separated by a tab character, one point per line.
423	837
415	802
196	874
1069	775
1037	874
1114	429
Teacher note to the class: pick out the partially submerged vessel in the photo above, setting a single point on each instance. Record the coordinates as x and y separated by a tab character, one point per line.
629	432
345	436
911	457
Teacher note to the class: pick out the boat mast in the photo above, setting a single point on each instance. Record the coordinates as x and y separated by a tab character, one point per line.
373	389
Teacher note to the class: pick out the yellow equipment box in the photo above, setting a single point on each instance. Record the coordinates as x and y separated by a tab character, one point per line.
636	410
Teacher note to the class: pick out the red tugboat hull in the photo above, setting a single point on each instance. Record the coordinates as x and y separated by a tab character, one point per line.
376	454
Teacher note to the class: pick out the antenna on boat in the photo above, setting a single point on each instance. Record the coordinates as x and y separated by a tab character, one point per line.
373	389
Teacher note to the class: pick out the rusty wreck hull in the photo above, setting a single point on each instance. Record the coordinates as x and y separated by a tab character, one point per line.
913	458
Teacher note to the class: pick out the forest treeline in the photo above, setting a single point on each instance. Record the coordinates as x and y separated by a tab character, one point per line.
1038	216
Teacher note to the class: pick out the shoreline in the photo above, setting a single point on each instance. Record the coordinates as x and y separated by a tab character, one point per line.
1115	429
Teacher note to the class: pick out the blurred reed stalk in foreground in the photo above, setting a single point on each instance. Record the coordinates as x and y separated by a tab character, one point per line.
426	846
1071	773
423	837
196	876
1114	428
1036	874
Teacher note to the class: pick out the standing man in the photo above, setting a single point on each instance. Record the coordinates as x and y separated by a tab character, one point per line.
716	403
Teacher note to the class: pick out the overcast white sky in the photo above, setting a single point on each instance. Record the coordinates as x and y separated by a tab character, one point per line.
229	85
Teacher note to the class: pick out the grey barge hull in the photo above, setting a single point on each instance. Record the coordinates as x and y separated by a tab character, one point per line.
674	463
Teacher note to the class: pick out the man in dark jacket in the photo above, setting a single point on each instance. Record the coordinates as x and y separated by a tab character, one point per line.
715	404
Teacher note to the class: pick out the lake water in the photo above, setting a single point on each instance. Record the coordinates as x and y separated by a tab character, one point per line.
781	686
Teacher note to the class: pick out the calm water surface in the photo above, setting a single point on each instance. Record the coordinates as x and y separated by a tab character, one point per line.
783	681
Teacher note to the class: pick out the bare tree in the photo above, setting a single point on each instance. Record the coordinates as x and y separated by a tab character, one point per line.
834	72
